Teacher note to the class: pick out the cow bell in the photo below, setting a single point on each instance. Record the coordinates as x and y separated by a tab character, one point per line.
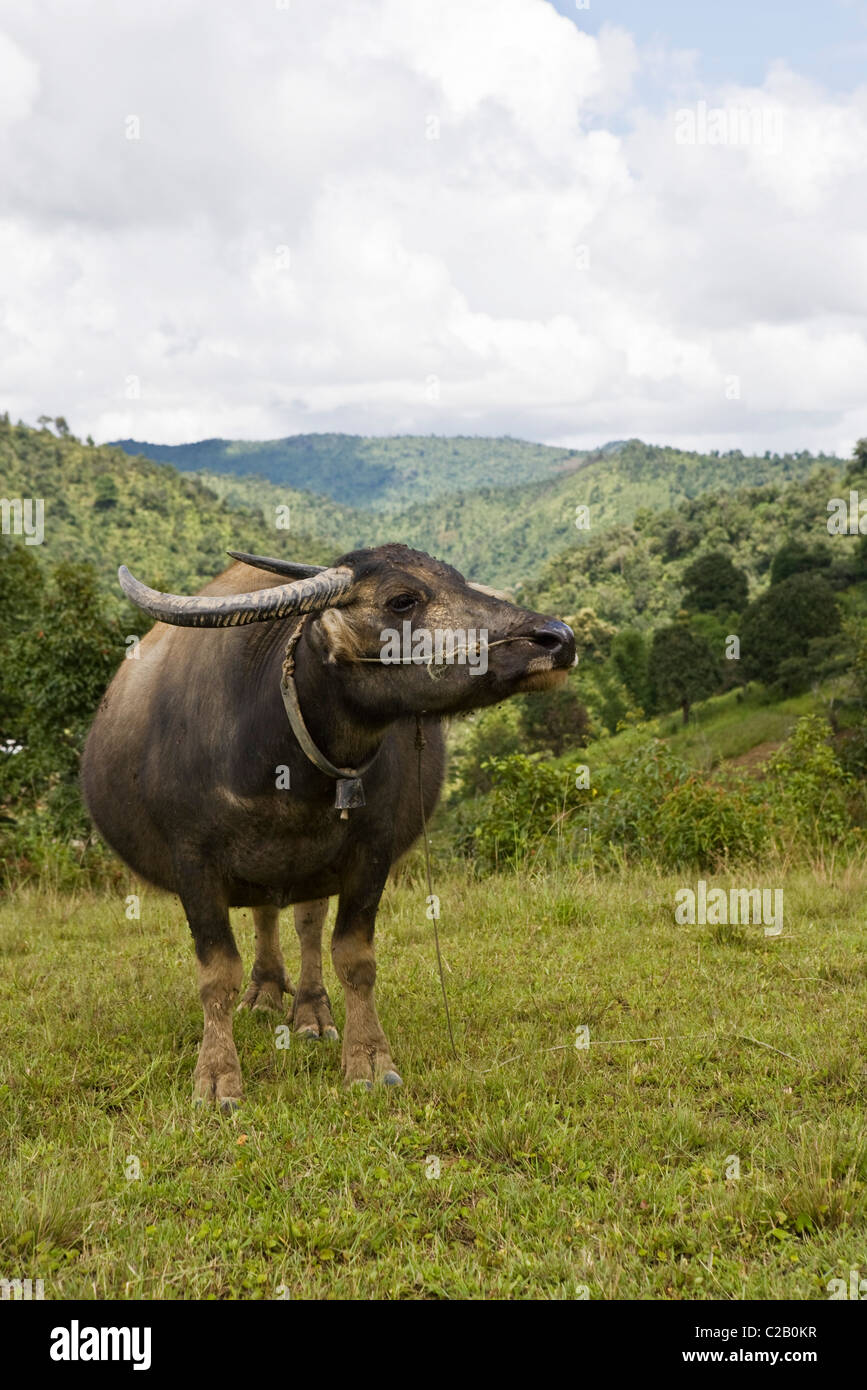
350	794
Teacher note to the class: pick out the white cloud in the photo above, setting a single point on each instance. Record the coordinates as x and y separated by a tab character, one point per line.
19	83
331	205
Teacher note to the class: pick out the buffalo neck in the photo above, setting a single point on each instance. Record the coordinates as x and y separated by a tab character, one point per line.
347	735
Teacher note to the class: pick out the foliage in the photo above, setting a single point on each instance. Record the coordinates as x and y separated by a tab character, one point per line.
796	556
630	656
780	624
713	584
501	509
554	720
107	508
523	818
683	668
809	788
58	668
478	742
633	576
709	827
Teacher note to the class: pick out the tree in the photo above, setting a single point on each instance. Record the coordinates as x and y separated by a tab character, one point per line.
683	668
20	601
713	584
66	660
554	720
795	556
780	624
106	493
858	464
629	653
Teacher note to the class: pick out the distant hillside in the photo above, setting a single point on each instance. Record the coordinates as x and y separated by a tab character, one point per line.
174	528
374	473
505	535
104	506
633	575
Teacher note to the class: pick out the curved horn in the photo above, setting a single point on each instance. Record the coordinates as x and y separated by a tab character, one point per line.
287	567
323	590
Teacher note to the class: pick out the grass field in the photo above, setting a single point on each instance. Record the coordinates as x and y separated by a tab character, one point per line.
559	1169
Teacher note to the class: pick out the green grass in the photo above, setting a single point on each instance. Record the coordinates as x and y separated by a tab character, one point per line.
559	1168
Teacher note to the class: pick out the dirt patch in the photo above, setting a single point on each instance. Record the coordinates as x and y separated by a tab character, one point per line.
753	761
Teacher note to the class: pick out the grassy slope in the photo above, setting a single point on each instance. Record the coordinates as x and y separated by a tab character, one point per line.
720	729
603	1168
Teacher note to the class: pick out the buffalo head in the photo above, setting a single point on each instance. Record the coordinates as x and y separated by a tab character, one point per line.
414	634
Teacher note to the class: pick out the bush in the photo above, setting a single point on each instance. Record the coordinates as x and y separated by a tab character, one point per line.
629	797
528	815
484	738
810	790
703	825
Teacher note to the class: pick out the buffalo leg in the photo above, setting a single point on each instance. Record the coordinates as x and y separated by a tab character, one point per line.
311	1012
268	978
366	1053
218	1071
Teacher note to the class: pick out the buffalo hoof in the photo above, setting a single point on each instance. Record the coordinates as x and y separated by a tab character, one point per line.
312	1034
390	1078
218	1078
311	1018
226	1107
367	1065
266	995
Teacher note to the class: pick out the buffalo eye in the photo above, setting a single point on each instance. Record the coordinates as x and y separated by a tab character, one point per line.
402	603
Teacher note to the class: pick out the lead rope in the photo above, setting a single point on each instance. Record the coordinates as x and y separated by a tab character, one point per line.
420	742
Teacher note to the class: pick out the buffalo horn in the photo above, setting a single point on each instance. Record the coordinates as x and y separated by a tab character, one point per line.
286	567
323	590
492	593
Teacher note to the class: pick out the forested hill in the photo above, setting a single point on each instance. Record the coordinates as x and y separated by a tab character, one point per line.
373	473
505	535
633	575
103	506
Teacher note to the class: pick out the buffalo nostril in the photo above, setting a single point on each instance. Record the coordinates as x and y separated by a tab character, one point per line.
553	636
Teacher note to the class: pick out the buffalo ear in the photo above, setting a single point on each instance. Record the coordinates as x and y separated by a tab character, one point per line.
339	639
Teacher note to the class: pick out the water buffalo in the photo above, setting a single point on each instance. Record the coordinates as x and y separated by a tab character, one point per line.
272	760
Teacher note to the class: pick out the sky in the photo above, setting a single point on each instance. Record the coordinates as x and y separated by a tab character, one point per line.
560	223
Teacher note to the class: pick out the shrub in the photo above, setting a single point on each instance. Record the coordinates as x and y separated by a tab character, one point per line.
810	790
704	825
529	813
629	797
